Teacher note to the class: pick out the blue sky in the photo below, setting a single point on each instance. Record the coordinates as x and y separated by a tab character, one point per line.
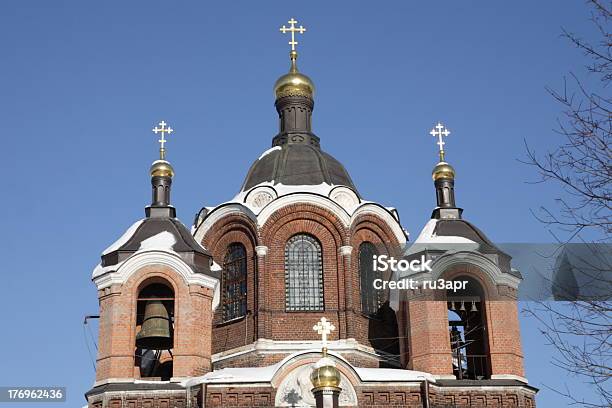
82	83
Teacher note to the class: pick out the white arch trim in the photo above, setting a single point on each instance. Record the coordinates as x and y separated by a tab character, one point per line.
304	198
323	202
370	208
492	271
163	258
363	374
218	213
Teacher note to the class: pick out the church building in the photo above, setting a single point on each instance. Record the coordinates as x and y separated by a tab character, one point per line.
272	299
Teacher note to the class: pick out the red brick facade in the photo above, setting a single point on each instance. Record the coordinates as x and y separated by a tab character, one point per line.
204	342
117	332
342	287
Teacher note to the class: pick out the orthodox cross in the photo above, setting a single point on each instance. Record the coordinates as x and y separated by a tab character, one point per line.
292	29
163	130
324	327
440	131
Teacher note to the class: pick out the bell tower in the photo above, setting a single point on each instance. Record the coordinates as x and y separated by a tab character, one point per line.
157	295
477	326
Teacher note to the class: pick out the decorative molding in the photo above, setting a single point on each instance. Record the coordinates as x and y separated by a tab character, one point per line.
220	212
304	198
346	250
261	250
495	274
295	390
261	196
385	215
266	346
157	257
345	197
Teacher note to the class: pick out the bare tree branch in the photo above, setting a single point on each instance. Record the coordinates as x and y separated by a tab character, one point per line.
581	331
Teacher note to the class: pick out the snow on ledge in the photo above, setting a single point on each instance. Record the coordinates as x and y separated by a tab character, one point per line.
392	374
267	373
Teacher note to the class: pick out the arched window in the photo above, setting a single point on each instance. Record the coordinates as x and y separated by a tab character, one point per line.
371	298
468	331
155	331
234	282
303	274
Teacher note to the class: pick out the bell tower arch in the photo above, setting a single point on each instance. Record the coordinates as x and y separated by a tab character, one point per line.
157	295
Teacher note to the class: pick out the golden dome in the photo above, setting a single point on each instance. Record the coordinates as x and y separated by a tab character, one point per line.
294	83
443	170
325	376
161	168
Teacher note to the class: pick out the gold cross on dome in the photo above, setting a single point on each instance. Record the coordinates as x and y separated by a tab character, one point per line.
292	29
163	130
440	131
324	327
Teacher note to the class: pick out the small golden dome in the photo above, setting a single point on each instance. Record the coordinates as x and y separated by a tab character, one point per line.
161	168
325	376
294	83
443	170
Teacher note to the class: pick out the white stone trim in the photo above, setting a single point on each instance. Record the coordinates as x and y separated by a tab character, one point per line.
269	374
346	250
496	276
325	203
261	250
303	198
218	213
157	257
371	208
265	346
345	197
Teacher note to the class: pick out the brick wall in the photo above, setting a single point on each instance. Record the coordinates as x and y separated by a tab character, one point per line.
117	332
266	278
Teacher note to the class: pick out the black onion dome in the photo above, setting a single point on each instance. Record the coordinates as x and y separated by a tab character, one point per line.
296	158
297	164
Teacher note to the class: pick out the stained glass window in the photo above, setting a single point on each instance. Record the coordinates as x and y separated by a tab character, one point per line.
303	274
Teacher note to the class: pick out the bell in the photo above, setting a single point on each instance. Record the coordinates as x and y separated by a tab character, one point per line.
156	330
462	308
452	306
473	309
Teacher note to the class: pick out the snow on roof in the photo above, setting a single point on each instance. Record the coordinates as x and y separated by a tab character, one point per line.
428	236
234	374
266	374
162	241
124	238
100	270
267	152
